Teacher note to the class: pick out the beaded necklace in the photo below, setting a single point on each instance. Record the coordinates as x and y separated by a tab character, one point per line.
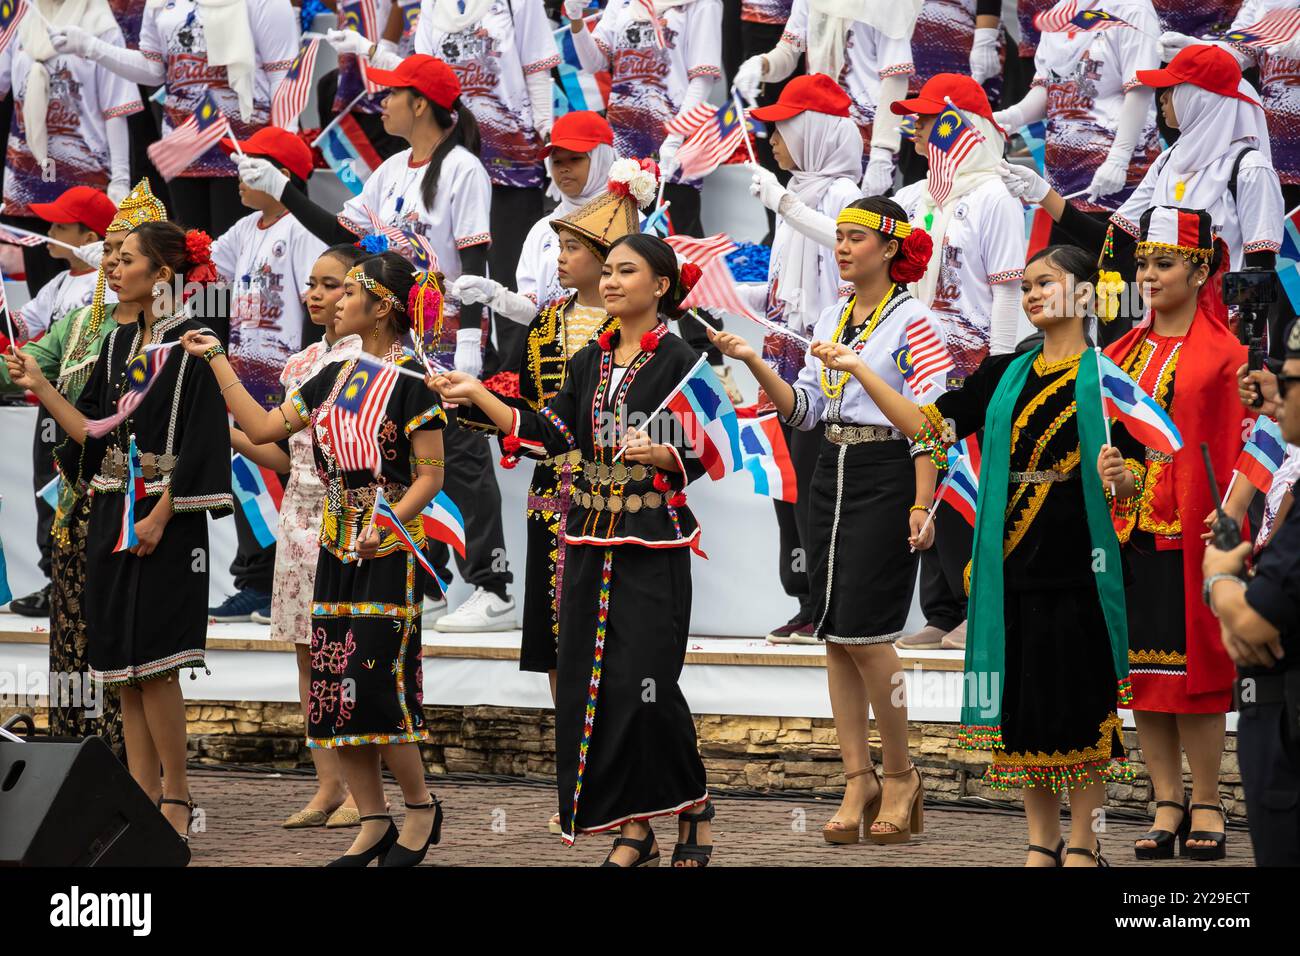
602	386
832	388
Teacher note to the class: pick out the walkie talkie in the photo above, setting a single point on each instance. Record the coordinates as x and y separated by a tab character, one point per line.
1225	530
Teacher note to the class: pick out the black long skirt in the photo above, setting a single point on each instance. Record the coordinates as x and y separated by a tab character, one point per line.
1060	726
860	566
625	745
366	674
542	581
145	616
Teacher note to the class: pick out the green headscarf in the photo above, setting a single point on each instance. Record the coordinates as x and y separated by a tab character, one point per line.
981	721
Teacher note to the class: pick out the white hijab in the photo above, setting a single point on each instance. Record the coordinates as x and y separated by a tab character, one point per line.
601	158
447	17
979	166
229	38
829	22
93	16
1210	128
824	148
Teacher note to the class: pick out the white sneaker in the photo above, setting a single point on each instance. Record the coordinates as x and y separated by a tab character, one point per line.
433	611
257	617
483	611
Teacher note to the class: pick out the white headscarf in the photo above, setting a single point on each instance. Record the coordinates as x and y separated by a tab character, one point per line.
979	166
829	22
601	158
93	16
229	38
1210	128
824	148
447	17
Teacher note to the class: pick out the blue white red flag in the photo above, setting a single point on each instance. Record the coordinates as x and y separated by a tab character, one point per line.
962	485
294	90
386	518
259	493
1273	28
126	538
1146	421
354	419
199	133
951	140
1263	454
443	522
709	420
767	458
348	153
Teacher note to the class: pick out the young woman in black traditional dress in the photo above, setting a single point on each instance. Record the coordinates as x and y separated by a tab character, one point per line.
860	562
366	672
147	606
625	740
1047	654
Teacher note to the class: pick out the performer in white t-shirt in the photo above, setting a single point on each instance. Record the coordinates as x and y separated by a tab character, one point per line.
238	50
870	54
69	124
437	189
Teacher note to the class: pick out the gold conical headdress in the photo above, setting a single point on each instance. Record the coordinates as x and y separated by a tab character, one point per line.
139	206
602	222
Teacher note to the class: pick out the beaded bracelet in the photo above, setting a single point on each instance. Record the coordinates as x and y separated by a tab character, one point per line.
436	462
213	352
928	439
918	508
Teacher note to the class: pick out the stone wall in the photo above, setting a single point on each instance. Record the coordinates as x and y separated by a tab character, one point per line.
778	753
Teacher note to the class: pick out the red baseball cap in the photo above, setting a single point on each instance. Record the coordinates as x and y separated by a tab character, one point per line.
1210	67
815	92
581	131
80	204
423	73
964	92
279	145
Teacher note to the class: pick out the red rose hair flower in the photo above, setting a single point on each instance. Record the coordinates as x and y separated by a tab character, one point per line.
198	262
689	275
913	256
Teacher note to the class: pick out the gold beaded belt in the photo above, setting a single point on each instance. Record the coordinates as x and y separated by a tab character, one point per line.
602	474
1039	477
568	458
857	434
616	503
1153	455
151	466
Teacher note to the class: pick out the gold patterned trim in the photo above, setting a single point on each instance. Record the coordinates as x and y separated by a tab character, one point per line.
1167	658
1111	726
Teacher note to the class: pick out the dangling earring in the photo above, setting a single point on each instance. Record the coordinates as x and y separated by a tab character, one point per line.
159	288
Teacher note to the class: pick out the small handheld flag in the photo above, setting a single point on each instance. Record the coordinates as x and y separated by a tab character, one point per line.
294	90
1272	29
1146	421
11	14
141	372
716	286
767	458
126	537
709	420
925	361
174	152
951	140
354	419
386	518
961	489
348	153
260	493
723	132
1068	17
50	492
1263	454
443	522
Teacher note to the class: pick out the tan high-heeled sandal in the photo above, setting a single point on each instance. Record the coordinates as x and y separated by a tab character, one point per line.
915	820
839	833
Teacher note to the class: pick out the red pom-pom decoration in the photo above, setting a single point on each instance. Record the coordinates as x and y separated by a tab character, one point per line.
511	444
507	462
606	340
677	500
649	342
661	482
913	256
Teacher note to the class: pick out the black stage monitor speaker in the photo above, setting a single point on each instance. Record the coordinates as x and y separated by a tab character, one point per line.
72	803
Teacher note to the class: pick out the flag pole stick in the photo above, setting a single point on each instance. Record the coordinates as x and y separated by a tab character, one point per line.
1105	419
744	125
335	121
1228	491
929	515
9	320
664	404
36	235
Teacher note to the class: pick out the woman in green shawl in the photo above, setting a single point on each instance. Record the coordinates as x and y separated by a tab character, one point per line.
1047	649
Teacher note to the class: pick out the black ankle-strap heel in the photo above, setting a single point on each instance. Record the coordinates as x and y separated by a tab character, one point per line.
1095	854
402	856
377	852
1218	839
1054	854
1164	839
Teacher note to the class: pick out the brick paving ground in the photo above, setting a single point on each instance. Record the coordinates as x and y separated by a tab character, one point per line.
504	824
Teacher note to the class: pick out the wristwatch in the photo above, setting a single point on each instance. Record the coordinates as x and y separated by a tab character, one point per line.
1208	588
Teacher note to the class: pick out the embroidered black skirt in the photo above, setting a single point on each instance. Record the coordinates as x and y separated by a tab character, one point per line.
859	564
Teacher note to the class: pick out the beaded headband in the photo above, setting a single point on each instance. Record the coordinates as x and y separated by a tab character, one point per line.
1193	253
375	288
897	228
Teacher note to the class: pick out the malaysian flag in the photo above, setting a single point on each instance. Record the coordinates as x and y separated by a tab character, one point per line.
720	134
11	13
951	141
141	373
371	87
291	95
1068	17
20	237
187	142
648	9
716	287
354	419
1276	26
924	361
700	251
360	16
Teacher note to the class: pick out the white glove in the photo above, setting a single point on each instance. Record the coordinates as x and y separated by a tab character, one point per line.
469	352
1170	43
879	177
668	155
1024	183
72	41
92	253
258	173
118	190
348	41
766	188
984	61
573	9
544	132
474	289
1109	178
749	78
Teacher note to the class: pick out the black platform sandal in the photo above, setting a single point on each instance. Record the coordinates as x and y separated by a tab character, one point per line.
399	855
643	855
379	851
1164	839
1219	839
1095	854
690	850
1054	854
